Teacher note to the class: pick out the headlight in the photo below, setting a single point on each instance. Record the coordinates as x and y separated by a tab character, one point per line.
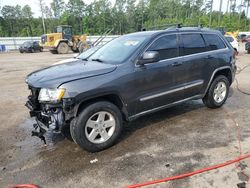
51	95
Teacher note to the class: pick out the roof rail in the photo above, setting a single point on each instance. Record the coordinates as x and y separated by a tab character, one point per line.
171	26
165	26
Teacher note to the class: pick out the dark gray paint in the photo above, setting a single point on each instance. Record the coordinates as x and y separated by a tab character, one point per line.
132	82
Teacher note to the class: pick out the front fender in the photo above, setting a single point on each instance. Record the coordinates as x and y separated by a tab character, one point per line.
58	41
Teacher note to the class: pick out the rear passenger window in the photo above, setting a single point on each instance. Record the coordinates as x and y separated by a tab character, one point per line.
214	41
192	44
166	46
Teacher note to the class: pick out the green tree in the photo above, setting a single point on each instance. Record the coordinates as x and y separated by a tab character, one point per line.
57	7
76	10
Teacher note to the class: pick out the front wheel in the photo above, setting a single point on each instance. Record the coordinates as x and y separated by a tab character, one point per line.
217	93
63	48
98	126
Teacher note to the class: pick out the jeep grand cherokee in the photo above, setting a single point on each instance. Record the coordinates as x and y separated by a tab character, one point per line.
131	76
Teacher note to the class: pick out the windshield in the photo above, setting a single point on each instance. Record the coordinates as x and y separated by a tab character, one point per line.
27	44
118	50
87	53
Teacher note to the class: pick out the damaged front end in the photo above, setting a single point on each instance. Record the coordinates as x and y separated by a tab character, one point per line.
49	115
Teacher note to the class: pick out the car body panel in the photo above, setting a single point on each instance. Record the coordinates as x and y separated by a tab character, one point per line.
54	76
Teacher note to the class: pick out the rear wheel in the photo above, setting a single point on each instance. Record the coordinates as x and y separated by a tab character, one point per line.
217	93
98	126
63	48
83	46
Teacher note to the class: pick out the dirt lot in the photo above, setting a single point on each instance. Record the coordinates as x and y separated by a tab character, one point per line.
177	140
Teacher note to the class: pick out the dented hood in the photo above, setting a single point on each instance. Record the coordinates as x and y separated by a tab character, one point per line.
54	76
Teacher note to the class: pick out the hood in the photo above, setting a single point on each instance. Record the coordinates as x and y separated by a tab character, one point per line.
66	61
54	76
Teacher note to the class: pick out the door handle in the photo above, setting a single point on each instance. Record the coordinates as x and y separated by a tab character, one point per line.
176	64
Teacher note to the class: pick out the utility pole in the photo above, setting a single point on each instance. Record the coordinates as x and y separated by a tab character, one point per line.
42	11
240	10
220	13
228	5
211	10
247	11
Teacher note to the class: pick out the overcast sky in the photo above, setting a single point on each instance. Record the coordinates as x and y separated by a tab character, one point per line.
35	7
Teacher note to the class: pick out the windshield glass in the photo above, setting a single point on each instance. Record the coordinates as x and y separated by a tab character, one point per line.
118	50
87	53
27	44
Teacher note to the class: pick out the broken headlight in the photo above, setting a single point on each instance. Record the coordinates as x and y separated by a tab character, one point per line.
51	95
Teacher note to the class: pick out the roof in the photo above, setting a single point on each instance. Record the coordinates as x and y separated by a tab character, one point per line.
172	29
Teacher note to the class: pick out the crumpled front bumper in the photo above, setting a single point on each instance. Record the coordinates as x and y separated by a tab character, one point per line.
47	116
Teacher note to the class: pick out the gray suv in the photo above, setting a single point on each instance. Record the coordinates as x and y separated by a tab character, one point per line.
136	74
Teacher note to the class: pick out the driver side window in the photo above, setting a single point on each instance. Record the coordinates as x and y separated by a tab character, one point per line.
167	46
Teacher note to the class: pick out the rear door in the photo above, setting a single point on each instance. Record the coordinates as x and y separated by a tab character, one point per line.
216	57
194	57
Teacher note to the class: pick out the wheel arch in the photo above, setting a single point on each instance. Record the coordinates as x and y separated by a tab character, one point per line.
60	41
111	97
225	71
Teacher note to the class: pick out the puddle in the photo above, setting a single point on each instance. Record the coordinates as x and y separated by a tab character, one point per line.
36	143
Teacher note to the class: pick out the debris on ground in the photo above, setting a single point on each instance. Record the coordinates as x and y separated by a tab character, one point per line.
94	161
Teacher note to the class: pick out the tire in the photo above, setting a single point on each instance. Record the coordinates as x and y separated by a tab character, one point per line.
248	51
83	46
91	121
41	50
63	48
216	100
32	50
53	51
65	130
21	51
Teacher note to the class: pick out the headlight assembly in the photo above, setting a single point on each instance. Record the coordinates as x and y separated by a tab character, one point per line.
51	95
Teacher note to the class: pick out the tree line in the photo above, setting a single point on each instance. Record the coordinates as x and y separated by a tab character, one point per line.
124	16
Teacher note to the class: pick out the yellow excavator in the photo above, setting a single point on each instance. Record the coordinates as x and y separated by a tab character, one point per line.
63	40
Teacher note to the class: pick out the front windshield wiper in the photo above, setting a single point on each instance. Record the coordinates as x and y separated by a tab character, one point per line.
98	60
84	59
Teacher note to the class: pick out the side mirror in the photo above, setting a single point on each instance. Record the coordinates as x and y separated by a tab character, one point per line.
149	57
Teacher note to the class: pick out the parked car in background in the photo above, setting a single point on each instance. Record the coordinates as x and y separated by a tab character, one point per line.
240	37
246	39
30	46
233	41
247	47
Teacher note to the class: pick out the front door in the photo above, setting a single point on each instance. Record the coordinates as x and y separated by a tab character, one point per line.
160	83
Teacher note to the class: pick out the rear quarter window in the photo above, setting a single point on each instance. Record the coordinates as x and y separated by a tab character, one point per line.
214	42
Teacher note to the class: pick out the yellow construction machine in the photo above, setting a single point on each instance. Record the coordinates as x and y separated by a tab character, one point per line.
63	40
